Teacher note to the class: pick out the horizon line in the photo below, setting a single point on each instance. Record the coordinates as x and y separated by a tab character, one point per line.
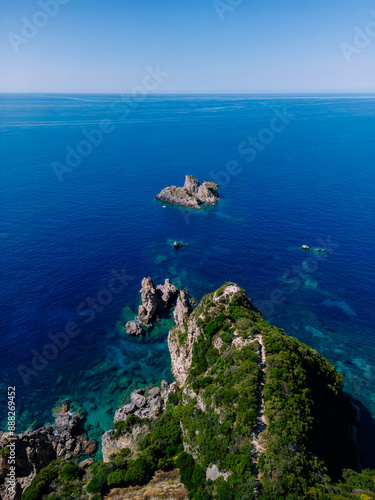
196	93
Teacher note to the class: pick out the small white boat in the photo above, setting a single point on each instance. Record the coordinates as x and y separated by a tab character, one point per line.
164	206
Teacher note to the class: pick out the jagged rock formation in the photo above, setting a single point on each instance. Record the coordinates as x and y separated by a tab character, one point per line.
36	449
192	194
184	307
166	295
147	310
134	328
155	299
143	405
248	408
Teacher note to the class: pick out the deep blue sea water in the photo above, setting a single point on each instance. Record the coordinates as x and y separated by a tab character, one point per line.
61	243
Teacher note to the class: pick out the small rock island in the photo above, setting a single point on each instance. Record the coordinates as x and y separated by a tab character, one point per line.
192	194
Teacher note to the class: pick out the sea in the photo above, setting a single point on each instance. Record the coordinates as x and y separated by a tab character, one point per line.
80	228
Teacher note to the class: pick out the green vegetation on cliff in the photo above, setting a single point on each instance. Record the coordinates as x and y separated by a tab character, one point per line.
261	415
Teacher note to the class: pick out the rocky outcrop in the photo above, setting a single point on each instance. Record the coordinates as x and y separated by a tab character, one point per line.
182	337
192	194
166	295
147	310
129	440
180	344
154	299
184	307
143	405
36	449
134	328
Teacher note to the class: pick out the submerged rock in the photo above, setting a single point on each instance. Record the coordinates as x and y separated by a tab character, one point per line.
192	194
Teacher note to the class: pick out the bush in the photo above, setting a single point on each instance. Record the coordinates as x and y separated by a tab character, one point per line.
41	482
125	426
71	472
139	471
116	478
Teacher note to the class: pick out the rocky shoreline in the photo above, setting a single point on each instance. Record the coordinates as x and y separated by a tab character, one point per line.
226	331
192	194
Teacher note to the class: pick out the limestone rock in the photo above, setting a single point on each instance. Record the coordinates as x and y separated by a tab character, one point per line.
154	300
129	440
208	193
155	391
123	412
147	311
134	328
167	294
191	184
36	449
182	354
192	194
183	308
137	399
91	447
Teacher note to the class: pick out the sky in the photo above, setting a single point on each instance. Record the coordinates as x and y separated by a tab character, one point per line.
198	46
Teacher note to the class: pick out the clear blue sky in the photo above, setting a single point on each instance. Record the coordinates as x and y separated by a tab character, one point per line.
257	46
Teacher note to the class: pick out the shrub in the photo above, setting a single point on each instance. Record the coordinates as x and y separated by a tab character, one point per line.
139	471
40	484
71	472
116	478
125	426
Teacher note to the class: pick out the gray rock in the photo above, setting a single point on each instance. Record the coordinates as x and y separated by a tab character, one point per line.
192	194
167	294
138	399
123	412
154	402
183	308
191	184
147	310
155	391
62	423
134	328
69	445
86	463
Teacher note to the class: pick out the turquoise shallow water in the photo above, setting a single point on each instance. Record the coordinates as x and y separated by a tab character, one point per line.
310	181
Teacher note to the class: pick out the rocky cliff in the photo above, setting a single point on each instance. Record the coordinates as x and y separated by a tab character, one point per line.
34	450
252	413
192	194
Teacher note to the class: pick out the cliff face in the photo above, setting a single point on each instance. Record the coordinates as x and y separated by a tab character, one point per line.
252	413
35	450
192	194
255	399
